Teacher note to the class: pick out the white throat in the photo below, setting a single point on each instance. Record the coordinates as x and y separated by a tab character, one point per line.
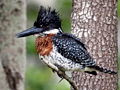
53	31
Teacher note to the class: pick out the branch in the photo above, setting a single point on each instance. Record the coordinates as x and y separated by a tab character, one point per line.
72	83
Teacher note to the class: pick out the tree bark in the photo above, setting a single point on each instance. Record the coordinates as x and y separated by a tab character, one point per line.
95	22
12	50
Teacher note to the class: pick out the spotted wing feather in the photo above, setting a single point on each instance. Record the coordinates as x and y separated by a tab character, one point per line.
72	48
76	39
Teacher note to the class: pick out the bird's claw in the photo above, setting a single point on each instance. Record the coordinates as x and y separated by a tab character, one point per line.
60	80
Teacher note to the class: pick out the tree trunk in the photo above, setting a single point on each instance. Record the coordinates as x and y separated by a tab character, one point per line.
12	50
95	22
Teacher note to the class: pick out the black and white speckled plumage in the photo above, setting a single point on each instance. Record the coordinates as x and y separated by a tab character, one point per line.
73	48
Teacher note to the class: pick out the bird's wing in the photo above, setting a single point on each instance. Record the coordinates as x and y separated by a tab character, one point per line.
73	48
76	39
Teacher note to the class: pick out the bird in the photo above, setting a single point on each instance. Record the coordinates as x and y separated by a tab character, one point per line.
63	50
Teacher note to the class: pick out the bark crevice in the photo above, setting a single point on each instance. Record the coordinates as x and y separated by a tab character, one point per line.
12	79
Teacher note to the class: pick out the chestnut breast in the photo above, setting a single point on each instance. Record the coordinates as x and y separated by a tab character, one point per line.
44	45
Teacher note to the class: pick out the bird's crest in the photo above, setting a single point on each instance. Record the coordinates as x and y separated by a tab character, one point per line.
47	16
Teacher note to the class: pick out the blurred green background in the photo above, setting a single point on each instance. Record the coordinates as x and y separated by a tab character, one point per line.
38	75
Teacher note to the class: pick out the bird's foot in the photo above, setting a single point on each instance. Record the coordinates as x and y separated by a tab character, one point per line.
60	80
60	75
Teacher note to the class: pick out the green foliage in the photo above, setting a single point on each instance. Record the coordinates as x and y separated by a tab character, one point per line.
41	78
31	45
65	8
38	79
32	12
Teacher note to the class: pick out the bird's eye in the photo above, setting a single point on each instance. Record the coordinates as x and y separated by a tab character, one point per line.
46	23
41	25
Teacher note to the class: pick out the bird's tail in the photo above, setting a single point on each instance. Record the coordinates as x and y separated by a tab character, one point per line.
101	69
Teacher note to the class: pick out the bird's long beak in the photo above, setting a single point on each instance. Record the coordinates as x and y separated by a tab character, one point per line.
31	31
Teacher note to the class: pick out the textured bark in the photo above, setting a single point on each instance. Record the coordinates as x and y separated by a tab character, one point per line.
95	22
12	50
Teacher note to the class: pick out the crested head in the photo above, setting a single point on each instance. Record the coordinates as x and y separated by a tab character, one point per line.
47	22
48	17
